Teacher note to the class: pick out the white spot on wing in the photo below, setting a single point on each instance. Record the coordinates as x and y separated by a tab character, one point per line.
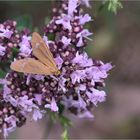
37	45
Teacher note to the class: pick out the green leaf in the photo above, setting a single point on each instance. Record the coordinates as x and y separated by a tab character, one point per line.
65	135
2	74
61	108
65	122
4	66
112	5
14	52
51	36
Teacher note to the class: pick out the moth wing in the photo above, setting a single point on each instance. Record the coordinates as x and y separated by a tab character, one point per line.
30	65
38	39
41	50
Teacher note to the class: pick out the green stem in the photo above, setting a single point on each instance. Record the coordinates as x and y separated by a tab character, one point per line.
65	134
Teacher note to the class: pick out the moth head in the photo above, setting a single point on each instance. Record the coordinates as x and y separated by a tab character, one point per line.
57	72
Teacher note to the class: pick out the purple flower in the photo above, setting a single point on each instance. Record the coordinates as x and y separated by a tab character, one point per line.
5	33
72	4
25	48
5	132
45	38
25	103
38	98
37	115
59	62
96	96
65	21
9	39
10	117
93	73
66	41
67	102
3	81
83	34
12	121
25	41
84	19
85	114
76	87
29	76
38	77
2	50
53	106
77	76
12	100
82	87
62	82
80	42
106	67
6	90
8	130
96	74
82	60
80	104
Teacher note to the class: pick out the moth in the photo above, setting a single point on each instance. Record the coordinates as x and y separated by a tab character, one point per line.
45	64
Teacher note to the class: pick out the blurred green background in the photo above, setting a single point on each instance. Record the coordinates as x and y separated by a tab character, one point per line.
116	40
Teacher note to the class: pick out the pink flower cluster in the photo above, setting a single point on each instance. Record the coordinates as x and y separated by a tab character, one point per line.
77	88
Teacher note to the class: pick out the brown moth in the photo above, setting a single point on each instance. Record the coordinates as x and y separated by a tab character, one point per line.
45	63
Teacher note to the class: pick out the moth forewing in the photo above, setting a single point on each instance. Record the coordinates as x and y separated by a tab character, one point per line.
30	65
45	63
38	54
37	41
39	47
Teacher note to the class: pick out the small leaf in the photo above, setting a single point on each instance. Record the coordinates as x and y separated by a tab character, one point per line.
2	74
15	51
65	135
51	36
65	122
61	108
4	66
114	5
